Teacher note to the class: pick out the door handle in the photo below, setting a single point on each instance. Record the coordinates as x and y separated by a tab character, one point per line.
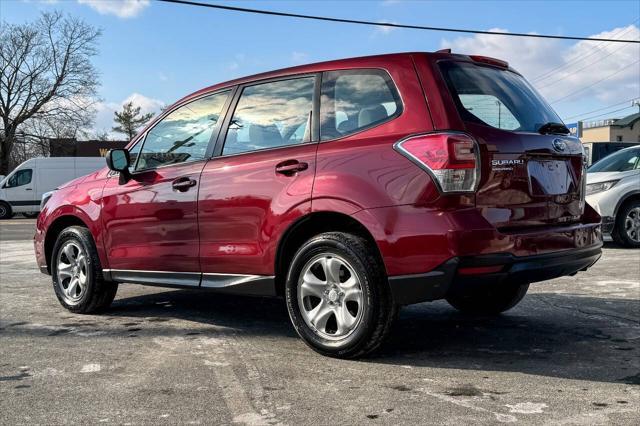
183	184
28	189
291	167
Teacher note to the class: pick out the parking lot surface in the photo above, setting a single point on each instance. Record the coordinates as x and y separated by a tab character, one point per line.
568	354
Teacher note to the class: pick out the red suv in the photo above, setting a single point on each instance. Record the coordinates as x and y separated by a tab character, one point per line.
348	187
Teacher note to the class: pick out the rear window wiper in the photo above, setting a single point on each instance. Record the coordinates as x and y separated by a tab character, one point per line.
553	128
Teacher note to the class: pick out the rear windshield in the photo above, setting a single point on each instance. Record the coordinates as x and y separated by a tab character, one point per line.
495	97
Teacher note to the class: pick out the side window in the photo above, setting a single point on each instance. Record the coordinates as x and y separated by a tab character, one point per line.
183	135
353	100
19	178
269	115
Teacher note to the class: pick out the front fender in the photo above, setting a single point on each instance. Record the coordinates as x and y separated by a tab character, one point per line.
80	202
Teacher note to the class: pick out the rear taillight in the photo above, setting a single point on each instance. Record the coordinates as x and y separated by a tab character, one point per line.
452	159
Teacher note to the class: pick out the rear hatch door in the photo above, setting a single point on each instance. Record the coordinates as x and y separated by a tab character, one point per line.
529	179
532	174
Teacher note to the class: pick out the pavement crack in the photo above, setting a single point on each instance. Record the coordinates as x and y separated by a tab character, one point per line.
587	313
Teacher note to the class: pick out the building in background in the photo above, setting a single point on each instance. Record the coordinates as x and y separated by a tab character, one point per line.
625	129
76	148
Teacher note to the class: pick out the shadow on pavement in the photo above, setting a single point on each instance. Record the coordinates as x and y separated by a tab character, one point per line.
549	334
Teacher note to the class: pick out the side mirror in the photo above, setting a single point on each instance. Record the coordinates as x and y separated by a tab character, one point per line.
118	161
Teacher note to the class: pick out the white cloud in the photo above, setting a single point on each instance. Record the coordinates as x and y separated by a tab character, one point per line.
104	116
239	60
299	57
569	68
384	30
120	8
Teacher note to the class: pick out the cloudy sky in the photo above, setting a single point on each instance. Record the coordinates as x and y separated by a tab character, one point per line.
155	53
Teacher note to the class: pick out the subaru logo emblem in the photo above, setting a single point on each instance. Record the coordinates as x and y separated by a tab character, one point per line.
559	145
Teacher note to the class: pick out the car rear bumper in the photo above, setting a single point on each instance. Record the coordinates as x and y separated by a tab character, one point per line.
458	272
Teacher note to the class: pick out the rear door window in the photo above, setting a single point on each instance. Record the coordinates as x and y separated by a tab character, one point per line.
353	100
271	115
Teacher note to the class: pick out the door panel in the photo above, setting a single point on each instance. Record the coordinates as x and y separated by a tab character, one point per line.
151	226
263	180
245	205
20	191
151	222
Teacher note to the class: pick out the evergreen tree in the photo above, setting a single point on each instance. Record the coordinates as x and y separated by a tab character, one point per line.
129	120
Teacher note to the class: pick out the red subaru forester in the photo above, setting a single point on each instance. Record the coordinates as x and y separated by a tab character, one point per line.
348	187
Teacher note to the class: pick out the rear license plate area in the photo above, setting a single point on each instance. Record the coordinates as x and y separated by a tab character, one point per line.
549	177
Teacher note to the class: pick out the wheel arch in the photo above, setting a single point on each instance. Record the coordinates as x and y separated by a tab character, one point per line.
628	197
54	229
308	226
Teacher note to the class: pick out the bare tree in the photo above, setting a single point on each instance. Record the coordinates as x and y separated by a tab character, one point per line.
46	75
129	120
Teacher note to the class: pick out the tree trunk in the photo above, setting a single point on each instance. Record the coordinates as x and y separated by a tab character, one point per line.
6	143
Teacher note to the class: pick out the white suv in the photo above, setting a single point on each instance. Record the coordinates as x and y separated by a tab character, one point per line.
613	189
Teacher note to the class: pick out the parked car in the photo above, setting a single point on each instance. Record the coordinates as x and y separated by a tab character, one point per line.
22	190
348	187
613	189
595	151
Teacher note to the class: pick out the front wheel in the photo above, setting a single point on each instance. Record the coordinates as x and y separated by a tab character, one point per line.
338	297
491	300
77	274
627	226
5	210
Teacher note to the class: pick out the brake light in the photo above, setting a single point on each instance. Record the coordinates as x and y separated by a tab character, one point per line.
452	159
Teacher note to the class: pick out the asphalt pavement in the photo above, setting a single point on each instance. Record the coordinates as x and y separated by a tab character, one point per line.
568	354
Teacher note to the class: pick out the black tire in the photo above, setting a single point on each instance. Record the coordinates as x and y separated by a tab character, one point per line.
98	293
5	211
31	215
619	234
378	309
488	301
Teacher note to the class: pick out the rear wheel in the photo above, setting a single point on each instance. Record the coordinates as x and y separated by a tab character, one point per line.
5	210
491	300
30	215
627	227
338	297
77	274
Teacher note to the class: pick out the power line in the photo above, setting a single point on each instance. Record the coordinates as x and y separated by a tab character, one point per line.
607	113
597	49
594	83
383	24
599	109
578	70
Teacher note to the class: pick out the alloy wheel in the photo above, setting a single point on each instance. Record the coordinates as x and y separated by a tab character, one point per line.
330	296
72	272
632	224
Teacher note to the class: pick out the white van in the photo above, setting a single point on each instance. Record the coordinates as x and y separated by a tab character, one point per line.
22	189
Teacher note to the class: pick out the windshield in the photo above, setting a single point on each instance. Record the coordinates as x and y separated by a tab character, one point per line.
496	97
620	161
